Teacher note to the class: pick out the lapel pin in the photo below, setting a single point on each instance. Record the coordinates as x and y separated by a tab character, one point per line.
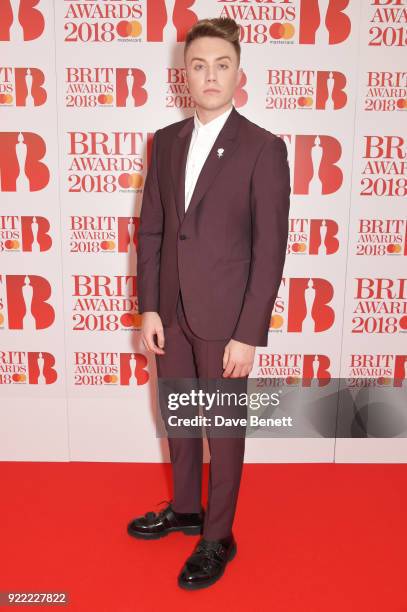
220	152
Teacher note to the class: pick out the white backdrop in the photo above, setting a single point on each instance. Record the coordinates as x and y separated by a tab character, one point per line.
83	87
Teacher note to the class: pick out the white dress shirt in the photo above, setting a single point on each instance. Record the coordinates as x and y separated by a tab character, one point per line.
202	139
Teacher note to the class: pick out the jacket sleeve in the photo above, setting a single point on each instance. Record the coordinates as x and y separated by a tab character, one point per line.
270	204
149	238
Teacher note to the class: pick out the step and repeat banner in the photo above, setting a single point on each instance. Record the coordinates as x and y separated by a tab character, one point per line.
83	87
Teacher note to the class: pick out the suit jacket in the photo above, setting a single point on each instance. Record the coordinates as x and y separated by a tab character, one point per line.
226	253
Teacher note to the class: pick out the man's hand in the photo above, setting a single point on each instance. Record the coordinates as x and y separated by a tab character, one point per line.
150	325
238	359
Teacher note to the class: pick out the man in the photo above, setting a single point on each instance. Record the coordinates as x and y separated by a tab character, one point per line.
211	251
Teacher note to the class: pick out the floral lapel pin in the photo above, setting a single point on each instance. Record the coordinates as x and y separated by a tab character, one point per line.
220	152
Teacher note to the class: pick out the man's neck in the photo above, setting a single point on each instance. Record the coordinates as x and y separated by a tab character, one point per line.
205	115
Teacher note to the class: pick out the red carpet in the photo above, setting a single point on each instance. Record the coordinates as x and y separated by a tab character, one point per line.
311	538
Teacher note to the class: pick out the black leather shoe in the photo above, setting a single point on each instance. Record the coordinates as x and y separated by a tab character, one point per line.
207	563
154	525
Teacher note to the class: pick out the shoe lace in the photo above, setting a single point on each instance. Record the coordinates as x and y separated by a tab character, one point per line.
208	549
207	554
153	515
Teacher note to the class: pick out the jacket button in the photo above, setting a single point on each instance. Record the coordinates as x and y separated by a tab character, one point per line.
182	237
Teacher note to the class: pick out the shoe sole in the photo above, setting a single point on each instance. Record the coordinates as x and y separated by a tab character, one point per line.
211	581
156	536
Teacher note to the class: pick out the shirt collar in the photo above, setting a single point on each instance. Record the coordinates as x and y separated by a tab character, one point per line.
214	124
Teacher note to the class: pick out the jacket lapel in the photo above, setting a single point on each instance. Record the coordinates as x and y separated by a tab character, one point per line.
227	140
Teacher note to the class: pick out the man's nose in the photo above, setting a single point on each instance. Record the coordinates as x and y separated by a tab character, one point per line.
211	76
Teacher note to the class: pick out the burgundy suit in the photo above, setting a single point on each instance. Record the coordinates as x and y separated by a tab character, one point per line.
212	273
227	251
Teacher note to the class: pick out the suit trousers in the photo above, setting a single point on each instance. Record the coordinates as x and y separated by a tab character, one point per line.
189	357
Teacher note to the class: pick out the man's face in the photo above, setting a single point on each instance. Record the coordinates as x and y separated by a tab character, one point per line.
212	71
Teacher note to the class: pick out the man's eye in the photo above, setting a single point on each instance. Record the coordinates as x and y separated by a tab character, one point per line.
197	66
223	65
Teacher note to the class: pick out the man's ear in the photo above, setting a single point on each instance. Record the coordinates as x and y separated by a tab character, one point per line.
239	76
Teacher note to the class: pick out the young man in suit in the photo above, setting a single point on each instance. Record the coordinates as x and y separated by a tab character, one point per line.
211	250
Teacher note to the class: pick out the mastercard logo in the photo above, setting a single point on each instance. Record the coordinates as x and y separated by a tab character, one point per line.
110	379
299	247
11	245
105	99
276	321
383	381
130	181
292	380
1	318
107	245
393	248
6	98
130	319
403	322
402	103
305	101
129	29
19	378
282	31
